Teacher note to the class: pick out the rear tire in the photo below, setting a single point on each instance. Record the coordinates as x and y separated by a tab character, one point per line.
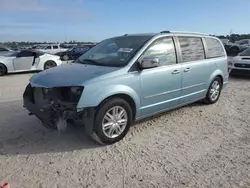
112	121
214	91
49	64
3	69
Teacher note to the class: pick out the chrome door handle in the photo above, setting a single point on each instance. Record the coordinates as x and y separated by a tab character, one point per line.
176	72
187	70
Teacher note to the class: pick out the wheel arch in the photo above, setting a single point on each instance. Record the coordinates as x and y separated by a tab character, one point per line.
217	73
125	97
1	63
49	60
93	98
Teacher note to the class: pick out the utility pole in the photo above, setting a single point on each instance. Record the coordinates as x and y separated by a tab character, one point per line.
230	35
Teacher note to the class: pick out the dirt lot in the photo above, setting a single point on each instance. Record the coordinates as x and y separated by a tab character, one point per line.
196	146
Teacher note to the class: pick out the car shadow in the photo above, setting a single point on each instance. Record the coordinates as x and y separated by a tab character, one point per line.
24	134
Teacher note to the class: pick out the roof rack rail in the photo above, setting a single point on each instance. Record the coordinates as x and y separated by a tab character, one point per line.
188	32
165	32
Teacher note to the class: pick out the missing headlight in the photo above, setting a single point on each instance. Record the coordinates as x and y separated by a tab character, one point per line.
46	91
69	94
76	90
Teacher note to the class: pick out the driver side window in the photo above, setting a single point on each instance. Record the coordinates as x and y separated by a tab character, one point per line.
164	50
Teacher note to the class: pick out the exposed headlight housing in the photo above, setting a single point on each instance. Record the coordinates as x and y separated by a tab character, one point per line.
76	90
46	91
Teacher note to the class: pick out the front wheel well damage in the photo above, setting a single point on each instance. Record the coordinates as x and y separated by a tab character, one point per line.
125	97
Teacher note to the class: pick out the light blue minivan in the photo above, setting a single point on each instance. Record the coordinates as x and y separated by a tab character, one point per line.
127	78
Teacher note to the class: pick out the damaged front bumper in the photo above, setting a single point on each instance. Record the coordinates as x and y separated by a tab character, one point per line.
57	107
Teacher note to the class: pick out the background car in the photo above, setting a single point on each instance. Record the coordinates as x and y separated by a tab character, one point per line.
53	49
27	60
240	64
74	53
231	48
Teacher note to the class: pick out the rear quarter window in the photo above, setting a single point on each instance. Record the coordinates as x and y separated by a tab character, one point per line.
214	48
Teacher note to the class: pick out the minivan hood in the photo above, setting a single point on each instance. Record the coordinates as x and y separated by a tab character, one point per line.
72	74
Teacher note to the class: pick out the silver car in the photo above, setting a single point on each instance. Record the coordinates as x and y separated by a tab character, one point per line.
240	64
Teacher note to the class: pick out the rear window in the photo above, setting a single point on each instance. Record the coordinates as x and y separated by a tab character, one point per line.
191	49
214	48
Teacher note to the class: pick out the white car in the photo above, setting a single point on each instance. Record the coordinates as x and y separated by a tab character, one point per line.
27	60
240	64
53	49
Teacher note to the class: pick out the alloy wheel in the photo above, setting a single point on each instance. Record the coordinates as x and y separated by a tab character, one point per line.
214	90
114	122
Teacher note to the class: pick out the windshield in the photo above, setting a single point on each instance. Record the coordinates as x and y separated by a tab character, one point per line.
114	51
245	52
12	54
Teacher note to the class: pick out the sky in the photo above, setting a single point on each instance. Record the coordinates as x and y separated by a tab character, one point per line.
95	20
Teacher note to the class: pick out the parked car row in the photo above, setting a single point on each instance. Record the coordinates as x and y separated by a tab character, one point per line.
74	53
234	48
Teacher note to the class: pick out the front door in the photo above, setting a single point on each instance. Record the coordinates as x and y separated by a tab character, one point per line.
195	69
24	60
160	86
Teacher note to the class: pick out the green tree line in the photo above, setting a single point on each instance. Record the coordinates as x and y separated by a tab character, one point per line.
234	37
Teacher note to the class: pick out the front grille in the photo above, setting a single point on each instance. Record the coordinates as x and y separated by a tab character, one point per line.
242	65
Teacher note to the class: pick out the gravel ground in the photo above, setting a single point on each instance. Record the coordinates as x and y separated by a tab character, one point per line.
195	146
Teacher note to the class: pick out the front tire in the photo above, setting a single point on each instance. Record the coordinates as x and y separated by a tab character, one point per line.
112	121
3	69
49	64
214	91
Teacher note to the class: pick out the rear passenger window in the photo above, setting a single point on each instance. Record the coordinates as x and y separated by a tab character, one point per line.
55	47
214	48
164	50
191	49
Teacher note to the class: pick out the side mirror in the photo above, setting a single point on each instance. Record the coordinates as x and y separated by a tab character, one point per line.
147	63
